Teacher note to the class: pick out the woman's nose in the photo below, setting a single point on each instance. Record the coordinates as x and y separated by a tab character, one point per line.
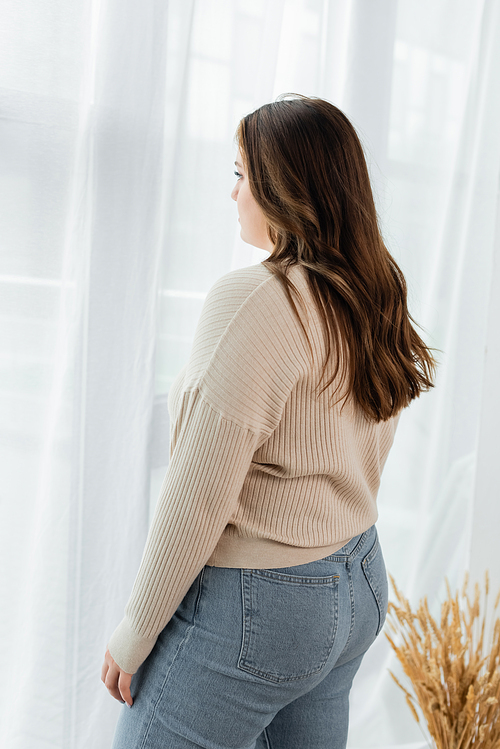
234	192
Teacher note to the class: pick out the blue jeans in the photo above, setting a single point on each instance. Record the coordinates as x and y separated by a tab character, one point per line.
261	659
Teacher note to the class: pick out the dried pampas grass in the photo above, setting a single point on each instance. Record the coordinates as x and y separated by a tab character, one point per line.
455	677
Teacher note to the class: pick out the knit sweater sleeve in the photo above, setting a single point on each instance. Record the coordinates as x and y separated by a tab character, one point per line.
238	379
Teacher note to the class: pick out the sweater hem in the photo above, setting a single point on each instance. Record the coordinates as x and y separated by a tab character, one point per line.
265	553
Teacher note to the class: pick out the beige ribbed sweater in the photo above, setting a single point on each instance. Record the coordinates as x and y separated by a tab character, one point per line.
263	473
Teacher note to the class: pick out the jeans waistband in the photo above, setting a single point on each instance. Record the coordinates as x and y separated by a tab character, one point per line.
354	547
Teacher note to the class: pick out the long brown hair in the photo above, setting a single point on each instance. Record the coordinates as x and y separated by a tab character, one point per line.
307	171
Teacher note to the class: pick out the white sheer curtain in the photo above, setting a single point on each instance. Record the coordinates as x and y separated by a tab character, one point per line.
116	150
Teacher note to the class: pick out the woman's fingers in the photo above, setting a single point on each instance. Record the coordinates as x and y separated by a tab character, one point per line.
117	682
111	682
124	681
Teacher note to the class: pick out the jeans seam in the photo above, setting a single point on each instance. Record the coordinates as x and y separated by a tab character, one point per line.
243	648
198	595
373	587
162	689
281	577
351	597
268	742
354	553
371	554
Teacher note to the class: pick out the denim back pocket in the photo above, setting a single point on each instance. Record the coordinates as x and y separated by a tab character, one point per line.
289	624
374	569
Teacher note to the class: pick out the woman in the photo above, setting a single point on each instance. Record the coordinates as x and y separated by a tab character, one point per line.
262	583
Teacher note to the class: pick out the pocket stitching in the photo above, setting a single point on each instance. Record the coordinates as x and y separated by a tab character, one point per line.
284	577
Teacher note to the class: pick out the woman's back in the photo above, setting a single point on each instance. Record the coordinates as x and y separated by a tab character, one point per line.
313	479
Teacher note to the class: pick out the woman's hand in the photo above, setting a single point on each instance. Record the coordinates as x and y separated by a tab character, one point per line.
116	680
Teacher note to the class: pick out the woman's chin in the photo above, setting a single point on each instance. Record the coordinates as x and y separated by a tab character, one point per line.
245	238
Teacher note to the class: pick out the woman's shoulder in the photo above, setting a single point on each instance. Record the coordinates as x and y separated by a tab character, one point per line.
243	293
240	283
246	322
248	350
255	287
228	295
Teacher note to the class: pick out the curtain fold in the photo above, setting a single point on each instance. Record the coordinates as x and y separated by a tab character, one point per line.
116	145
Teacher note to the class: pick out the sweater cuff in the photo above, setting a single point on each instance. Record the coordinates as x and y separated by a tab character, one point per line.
129	649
